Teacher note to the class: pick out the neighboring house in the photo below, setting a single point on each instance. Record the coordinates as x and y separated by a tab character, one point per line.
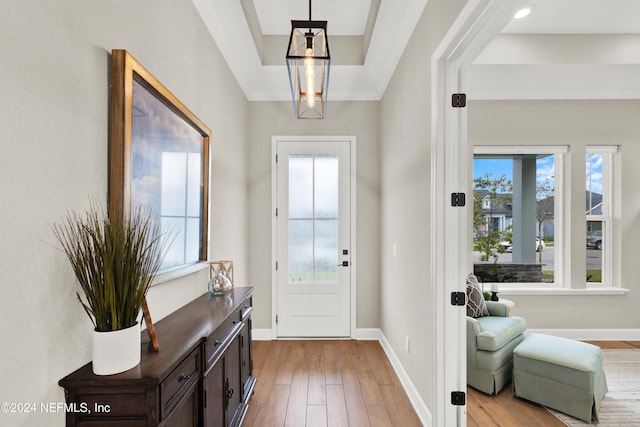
502	213
499	217
594	203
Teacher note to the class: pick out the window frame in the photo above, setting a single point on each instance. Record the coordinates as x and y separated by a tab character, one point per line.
606	218
560	152
563	254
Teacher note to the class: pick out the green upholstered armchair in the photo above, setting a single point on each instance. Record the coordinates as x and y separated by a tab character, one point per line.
490	343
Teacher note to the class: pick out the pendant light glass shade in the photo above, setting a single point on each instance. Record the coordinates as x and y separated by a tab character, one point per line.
308	62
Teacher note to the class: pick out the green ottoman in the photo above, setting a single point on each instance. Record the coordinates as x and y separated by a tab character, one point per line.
560	373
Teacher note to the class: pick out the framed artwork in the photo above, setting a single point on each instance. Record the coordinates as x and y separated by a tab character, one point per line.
158	159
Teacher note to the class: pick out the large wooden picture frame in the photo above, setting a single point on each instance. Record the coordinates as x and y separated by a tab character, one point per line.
158	158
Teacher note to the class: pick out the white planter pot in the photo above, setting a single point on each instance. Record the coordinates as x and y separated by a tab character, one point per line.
116	351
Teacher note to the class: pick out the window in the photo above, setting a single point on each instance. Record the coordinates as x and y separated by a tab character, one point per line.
598	184
517	220
527	210
486	203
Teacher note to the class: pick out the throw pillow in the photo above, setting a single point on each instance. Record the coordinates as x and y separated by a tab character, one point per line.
476	307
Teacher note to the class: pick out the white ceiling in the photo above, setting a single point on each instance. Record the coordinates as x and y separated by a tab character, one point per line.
600	38
345	18
579	17
565	49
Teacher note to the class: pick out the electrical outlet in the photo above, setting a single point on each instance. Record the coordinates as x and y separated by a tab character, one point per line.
406	344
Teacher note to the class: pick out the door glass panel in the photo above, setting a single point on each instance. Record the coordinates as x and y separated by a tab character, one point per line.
300	186
313	218
326	251
300	251
326	187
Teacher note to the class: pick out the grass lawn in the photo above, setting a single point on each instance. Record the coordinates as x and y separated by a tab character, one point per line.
595	276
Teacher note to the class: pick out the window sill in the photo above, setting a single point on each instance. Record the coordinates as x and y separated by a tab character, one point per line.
180	272
556	290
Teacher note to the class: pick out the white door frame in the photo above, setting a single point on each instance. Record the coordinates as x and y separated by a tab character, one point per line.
451	260
351	139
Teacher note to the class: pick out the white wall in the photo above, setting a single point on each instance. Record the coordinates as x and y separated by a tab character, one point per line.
54	81
406	289
343	118
577	124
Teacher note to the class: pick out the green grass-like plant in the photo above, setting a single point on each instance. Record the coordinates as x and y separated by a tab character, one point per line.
114	259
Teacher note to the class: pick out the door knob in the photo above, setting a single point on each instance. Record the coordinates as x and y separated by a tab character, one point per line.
344	264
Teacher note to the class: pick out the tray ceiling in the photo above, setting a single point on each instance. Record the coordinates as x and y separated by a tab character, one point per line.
368	37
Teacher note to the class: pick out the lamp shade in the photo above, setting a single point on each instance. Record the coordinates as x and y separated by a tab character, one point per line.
308	62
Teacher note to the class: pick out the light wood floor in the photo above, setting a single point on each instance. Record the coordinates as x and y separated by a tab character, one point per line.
351	383
326	383
508	411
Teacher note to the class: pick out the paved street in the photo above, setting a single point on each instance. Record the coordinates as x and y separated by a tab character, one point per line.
594	258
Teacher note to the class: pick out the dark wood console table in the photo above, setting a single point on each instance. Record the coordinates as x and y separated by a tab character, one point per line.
202	375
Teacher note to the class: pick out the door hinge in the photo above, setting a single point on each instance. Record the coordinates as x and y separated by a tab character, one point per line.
276	211
276	158
276	265
276	319
459	100
458	298
458	398
458	199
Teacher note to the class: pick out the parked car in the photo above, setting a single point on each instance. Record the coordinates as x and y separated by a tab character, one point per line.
508	246
594	239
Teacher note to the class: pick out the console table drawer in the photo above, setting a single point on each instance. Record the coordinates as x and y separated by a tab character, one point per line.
218	341
178	381
246	310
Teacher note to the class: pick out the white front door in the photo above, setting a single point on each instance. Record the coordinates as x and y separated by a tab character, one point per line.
313	238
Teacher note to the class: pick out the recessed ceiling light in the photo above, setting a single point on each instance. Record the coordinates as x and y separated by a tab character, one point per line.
525	11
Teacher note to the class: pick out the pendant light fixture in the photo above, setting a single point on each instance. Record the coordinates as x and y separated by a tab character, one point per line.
308	63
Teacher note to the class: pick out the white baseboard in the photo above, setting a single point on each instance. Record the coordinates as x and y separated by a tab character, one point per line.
368	334
261	334
409	387
364	334
591	334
